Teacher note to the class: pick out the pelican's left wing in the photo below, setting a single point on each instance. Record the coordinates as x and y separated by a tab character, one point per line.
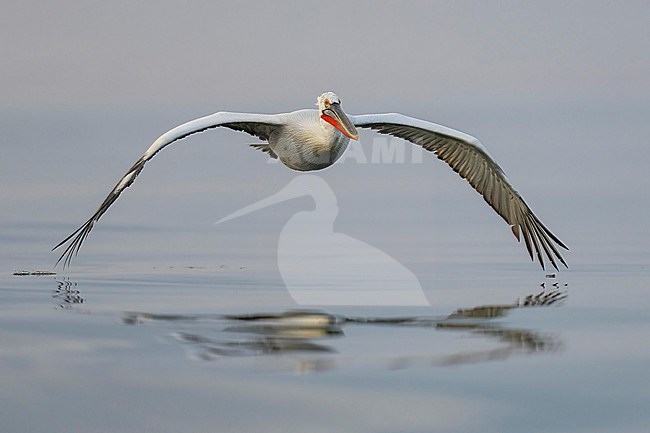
260	125
467	156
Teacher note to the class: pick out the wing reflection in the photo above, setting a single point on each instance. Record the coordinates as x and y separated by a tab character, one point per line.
252	334
309	335
67	295
310	340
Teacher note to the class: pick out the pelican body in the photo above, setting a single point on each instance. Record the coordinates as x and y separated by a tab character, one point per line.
308	140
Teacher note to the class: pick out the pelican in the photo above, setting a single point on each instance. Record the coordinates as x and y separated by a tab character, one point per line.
308	140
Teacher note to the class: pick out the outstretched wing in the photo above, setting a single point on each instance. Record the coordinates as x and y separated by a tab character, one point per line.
467	157
260	125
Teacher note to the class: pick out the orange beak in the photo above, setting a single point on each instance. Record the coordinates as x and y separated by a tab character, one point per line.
335	116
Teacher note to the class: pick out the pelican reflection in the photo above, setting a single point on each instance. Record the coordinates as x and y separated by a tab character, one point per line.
310	335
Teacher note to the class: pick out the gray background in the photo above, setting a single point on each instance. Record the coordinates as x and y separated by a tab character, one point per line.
559	92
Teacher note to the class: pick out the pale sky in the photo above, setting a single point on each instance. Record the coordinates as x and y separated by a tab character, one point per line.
280	55
559	92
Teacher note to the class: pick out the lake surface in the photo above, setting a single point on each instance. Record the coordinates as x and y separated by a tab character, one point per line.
211	348
168	323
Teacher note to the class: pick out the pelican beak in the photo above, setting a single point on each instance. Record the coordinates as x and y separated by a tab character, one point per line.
335	116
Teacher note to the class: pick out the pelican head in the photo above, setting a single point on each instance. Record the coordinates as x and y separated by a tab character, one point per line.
329	106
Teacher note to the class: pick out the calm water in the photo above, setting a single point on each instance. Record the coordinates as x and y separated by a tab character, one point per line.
169	323
143	348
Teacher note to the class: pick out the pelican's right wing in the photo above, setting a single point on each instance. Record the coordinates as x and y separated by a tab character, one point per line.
467	156
260	125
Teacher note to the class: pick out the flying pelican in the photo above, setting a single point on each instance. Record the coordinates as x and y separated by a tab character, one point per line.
341	270
307	140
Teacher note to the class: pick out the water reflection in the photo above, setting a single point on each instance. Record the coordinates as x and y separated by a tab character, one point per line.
67	295
250	334
309	337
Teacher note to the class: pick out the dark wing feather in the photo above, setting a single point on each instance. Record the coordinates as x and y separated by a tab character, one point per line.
467	157
256	129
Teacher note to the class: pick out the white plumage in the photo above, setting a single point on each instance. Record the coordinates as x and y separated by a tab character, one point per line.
308	140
